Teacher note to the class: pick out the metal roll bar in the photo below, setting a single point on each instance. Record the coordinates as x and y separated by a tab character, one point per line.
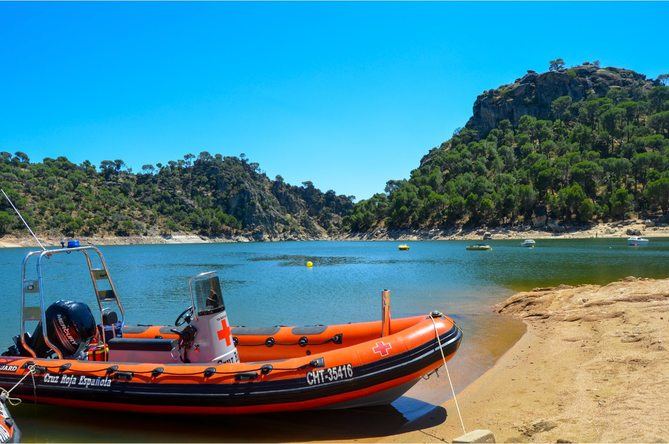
38	313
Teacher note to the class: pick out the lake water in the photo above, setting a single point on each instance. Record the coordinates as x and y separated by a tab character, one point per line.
268	284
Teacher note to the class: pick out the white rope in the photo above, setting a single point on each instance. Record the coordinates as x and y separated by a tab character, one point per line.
6	393
455	398
23	220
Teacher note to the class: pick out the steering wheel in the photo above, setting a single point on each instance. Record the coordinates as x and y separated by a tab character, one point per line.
185	316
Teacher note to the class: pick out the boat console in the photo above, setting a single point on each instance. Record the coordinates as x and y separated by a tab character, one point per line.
212	334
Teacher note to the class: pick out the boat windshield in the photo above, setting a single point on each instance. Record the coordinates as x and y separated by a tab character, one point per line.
206	293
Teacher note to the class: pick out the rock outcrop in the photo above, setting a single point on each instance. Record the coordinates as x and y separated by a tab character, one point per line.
534	93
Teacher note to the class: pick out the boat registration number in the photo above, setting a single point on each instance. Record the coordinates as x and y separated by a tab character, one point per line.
331	374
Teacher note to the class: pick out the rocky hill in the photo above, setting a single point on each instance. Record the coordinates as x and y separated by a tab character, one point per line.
569	146
565	147
208	195
533	94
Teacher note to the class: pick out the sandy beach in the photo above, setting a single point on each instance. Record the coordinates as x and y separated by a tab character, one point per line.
10	241
592	366
604	230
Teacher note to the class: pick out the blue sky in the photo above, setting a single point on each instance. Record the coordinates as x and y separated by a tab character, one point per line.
347	95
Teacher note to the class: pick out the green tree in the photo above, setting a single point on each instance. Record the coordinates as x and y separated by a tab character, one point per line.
527	198
657	193
456	208
556	65
560	107
575	203
22	157
620	203
587	174
613	121
660	122
6	222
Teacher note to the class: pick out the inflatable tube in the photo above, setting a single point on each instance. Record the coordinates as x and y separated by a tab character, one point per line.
280	369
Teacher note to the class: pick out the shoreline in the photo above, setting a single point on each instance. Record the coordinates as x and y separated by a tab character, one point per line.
590	367
609	230
604	231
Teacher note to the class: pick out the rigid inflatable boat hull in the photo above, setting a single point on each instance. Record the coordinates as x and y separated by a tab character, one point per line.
350	376
383	397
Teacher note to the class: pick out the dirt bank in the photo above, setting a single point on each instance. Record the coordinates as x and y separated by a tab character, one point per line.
608	230
13	241
603	230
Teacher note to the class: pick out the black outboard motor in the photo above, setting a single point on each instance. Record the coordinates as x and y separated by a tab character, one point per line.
70	326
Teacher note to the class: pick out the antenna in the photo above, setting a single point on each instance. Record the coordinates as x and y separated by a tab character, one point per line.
22	219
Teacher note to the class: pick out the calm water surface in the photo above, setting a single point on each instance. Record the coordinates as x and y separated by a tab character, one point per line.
268	284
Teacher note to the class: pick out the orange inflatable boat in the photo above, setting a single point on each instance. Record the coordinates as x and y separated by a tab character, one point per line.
202	365
9	432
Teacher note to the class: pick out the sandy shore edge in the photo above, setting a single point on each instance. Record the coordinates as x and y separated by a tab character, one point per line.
592	366
619	229
608	230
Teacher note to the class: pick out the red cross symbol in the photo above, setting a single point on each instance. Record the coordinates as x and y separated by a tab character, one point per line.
382	348
224	332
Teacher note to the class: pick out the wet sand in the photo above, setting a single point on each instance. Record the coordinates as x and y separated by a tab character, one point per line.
593	366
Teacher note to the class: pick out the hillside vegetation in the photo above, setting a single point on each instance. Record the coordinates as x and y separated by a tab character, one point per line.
210	195
569	146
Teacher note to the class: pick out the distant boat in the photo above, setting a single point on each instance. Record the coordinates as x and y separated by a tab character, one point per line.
637	241
479	247
403	247
529	243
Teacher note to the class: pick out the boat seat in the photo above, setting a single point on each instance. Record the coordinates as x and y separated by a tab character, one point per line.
143	344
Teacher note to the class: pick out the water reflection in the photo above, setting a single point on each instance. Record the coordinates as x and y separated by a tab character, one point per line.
306	426
298	260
